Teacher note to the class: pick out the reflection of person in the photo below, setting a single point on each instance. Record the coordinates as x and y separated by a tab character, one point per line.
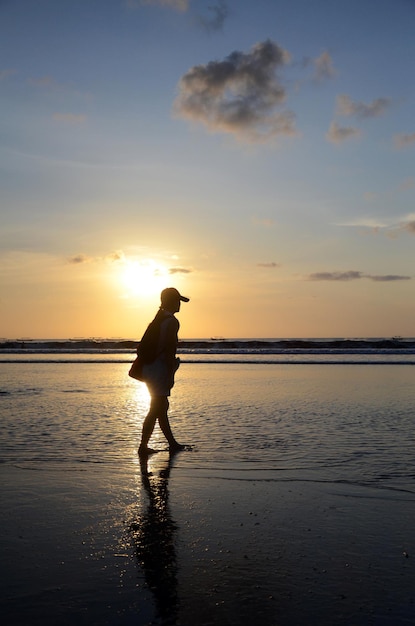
160	373
153	536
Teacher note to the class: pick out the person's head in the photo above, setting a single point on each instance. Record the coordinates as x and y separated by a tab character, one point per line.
171	298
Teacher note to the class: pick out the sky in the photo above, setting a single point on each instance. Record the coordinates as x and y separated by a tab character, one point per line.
258	155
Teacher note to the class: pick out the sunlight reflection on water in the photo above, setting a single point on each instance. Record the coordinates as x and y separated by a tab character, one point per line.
322	422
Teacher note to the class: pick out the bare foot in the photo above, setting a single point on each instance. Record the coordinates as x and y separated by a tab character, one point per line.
144	451
177	447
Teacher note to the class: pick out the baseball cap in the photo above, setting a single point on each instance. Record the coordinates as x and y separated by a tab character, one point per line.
171	294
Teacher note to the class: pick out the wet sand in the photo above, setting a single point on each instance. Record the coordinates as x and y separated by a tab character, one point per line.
172	544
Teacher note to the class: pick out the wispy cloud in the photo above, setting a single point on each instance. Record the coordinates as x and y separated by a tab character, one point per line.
390	229
239	95
365	222
78	259
403	140
354	275
338	134
324	67
179	270
388	278
350	108
116	257
337	276
113	257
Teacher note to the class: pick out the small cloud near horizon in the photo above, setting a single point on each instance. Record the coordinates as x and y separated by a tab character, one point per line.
354	275
116	256
179	270
77	259
340	276
388	278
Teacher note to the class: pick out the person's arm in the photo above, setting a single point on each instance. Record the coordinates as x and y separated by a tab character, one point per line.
170	339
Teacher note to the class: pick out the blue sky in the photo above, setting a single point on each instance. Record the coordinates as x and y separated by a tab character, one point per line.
257	155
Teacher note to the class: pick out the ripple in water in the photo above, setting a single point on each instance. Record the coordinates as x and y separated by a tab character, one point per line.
333	423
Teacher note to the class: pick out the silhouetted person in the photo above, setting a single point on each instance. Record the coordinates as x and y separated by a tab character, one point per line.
159	374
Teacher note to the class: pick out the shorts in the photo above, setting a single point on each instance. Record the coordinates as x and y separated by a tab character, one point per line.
158	377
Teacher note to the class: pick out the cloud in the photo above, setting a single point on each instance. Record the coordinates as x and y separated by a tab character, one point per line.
388	278
348	108
338	276
218	14
338	134
78	259
364	222
392	230
239	95
269	265
179	270
323	67
69	118
355	275
404	140
116	257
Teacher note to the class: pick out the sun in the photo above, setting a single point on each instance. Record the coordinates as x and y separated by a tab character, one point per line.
142	278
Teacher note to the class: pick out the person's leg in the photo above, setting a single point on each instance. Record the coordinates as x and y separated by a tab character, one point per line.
166	429
156	409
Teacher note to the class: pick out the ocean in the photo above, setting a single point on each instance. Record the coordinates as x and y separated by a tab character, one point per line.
334	413
294	505
216	350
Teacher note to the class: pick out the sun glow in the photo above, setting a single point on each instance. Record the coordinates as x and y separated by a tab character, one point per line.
143	278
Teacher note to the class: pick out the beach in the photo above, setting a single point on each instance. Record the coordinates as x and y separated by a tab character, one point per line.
295	505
